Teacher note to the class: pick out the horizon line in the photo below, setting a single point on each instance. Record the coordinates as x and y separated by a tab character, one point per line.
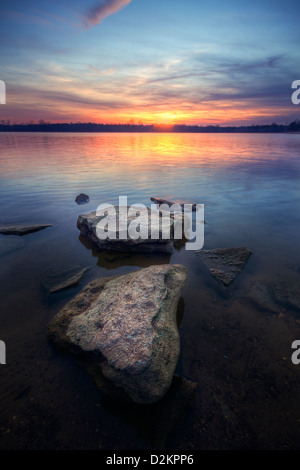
41	122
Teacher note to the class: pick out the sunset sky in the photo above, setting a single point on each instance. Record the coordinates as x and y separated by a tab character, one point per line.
227	62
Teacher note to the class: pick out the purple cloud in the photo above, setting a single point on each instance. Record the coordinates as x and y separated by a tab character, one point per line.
101	10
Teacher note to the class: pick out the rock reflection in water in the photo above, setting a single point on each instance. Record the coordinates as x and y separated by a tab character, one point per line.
113	260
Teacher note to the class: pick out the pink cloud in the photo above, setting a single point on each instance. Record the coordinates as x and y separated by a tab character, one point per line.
98	12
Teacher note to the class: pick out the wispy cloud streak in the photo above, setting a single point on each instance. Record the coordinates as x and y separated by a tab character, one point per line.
101	10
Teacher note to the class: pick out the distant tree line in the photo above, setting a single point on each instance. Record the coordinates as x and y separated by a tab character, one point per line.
6	126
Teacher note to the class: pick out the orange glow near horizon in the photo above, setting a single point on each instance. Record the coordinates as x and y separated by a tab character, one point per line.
228	113
62	71
230	116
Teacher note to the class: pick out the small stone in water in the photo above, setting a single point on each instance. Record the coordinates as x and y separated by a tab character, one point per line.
82	198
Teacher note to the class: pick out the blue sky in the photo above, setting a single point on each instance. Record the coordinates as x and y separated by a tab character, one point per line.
194	62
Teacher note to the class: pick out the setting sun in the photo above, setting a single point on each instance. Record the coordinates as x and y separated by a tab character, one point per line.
169	118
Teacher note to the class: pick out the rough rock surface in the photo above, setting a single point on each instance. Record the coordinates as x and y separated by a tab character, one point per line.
82	198
22	229
225	263
87	224
124	328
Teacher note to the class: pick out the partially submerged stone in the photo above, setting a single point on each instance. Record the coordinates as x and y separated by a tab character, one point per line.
169	203
124	328
117	241
225	263
82	199
56	282
22	229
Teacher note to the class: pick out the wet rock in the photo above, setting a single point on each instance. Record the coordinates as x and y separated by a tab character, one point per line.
22	229
87	224
225	263
125	327
64	280
82	199
56	279
159	201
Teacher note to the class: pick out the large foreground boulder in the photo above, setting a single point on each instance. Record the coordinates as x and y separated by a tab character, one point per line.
87	224
124	328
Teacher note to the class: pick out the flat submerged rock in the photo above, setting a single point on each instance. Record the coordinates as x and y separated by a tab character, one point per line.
169	203
69	277
124	328
23	229
225	263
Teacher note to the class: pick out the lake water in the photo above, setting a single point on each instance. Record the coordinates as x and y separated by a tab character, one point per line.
235	340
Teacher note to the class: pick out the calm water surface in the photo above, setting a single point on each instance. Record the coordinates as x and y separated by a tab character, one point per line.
235	341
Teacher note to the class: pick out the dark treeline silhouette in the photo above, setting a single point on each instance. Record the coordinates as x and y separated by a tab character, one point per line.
6	126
